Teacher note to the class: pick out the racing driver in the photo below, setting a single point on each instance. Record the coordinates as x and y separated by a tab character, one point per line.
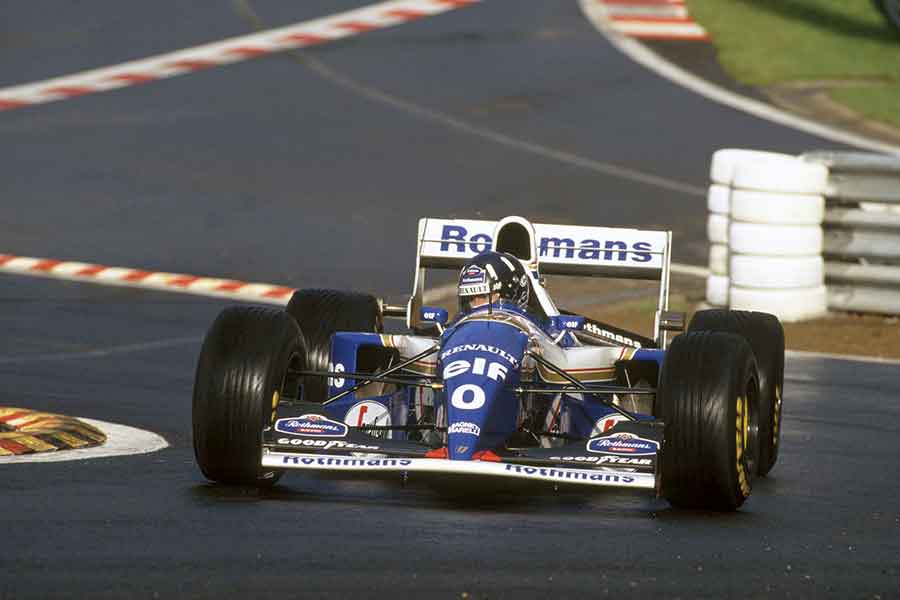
491	277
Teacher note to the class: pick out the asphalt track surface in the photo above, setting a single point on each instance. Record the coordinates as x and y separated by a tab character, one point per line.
290	170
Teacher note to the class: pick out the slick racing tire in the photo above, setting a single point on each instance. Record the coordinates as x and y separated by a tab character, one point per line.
765	335
242	372
708	399
321	313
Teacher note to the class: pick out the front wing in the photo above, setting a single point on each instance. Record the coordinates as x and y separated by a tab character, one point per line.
625	456
362	464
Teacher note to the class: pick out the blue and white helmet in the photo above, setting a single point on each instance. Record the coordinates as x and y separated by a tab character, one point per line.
493	272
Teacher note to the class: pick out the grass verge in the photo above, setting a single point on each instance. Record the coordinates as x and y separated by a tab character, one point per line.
768	42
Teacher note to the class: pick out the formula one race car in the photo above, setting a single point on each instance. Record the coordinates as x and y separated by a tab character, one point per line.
507	389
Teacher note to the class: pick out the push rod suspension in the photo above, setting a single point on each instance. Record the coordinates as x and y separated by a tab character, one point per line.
376	377
587	390
581	387
393	369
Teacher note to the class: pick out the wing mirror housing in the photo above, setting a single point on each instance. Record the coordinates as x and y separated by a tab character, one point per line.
568	322
671	320
431	314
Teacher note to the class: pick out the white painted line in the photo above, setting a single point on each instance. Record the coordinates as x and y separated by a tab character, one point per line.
547	152
450	122
847	357
121	440
232	50
101	352
645	10
649	59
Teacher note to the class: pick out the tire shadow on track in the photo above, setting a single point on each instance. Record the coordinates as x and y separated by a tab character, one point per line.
384	495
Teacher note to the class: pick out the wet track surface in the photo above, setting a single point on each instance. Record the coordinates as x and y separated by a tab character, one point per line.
312	171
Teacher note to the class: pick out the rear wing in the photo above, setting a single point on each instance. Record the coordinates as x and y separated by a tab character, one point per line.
546	249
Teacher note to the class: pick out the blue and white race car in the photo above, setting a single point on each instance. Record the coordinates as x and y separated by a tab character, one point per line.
512	388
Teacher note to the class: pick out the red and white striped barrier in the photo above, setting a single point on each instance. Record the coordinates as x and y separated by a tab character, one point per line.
232	50
152	280
653	19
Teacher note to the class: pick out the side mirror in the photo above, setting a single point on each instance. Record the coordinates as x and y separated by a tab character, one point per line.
670	320
568	322
431	314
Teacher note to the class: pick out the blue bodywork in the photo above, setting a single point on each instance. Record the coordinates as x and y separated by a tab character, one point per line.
479	362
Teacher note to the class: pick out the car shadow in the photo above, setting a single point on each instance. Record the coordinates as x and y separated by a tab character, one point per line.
467	495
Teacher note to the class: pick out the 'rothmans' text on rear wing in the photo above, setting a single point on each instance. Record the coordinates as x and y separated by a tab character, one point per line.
548	249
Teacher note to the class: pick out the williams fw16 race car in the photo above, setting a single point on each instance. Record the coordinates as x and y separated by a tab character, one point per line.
512	388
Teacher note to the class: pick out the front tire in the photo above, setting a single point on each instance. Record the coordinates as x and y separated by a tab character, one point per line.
765	335
708	399
322	313
241	374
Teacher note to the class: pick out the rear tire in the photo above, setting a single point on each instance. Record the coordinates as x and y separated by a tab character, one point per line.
708	399
240	377
765	335
321	313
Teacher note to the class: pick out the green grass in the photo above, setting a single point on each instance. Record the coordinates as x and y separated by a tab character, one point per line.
881	104
764	42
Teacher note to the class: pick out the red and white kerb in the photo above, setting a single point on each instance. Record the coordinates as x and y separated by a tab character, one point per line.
153	280
232	50
653	19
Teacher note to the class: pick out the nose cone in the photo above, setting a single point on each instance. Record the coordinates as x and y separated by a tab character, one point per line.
480	362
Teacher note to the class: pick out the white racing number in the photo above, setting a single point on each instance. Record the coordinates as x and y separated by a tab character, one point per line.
474	402
336	381
470	396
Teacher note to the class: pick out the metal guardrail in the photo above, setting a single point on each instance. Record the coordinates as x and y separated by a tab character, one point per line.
861	231
860	176
857	243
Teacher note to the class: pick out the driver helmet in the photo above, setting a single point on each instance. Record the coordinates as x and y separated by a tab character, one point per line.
490	277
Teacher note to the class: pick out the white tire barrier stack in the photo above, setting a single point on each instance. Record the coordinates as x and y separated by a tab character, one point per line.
764	227
718	202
